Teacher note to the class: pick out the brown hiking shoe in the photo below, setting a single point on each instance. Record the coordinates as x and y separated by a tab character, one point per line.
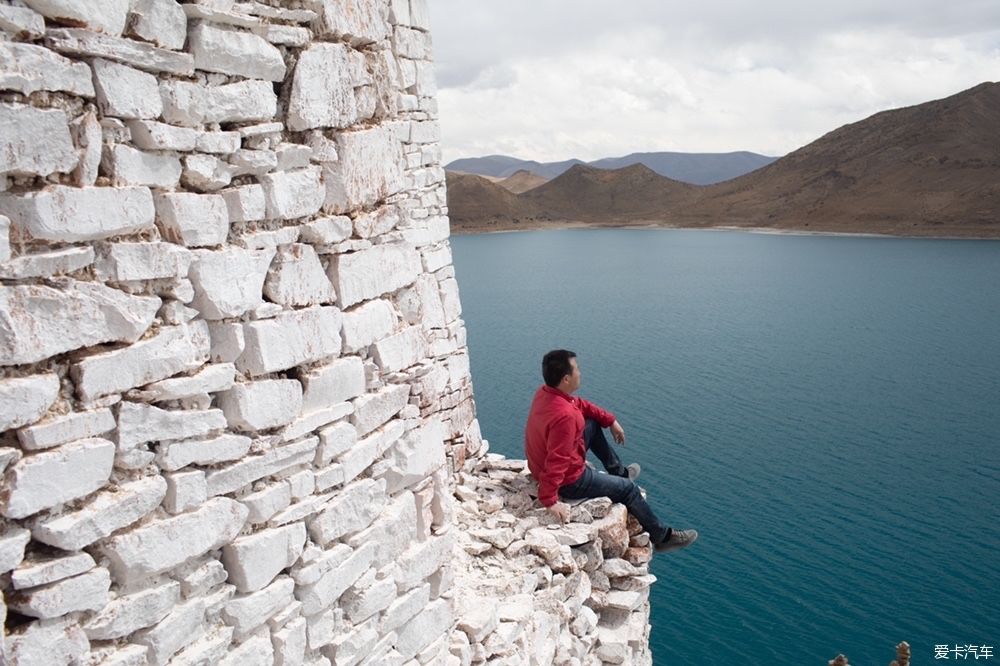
678	539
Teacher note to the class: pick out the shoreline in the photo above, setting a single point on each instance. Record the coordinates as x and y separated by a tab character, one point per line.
562	226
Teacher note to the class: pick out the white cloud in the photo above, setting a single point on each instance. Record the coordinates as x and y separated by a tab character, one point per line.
581	80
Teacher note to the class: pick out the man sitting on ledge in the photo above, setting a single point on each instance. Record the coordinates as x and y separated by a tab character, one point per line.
560	430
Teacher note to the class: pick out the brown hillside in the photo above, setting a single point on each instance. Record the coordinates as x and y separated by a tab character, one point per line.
474	201
590	194
522	181
930	169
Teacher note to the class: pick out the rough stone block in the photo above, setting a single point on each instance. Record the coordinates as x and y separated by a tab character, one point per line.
327	230
162	22
424	628
356	21
129	166
86	592
47	642
228	282
48	264
62	429
246	613
233	477
322	594
192	105
352	509
12	543
268	501
174	349
195	220
30	68
342	379
254	561
246	203
290	643
163	544
48	479
185	491
400	351
65	214
322	89
374	409
296	277
129	262
370	273
220	143
179	628
124	92
292	194
107	16
24	400
44	571
22	22
219	49
211	379
263	404
101	515
175	455
369	169
290	339
255	651
76	41
367	323
416	456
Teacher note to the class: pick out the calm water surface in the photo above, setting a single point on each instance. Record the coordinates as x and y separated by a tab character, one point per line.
824	410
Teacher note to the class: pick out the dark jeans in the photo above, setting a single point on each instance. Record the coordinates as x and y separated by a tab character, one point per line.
614	485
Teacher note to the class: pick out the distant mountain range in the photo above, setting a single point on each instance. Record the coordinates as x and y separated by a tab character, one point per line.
929	169
694	168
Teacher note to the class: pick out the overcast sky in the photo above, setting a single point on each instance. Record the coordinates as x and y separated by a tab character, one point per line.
555	79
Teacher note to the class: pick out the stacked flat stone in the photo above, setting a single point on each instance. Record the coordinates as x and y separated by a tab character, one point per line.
233	372
532	591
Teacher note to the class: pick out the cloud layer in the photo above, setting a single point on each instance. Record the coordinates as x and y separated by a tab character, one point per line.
554	79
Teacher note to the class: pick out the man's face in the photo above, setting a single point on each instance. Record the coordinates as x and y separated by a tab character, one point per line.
571	382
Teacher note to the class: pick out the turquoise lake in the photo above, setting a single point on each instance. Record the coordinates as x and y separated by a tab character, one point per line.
825	410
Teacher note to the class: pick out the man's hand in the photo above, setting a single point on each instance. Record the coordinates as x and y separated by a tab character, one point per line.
560	510
618	432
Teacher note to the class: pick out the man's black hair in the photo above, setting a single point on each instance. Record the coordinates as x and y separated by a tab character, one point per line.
556	365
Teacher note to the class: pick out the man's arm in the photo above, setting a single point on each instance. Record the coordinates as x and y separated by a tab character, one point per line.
604	418
559	455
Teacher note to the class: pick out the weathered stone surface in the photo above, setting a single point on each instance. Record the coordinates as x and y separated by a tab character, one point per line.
101	515
45	571
391	532
152	135
297	278
369	169
162	22
4	239
400	351
367	274
139	423
218	49
324	592
48	479
132	612
290	339
64	214
175	455
290	643
353	509
47	642
310	421
373	409
163	544
246	203
220	143
178	629
24	400
421	303
174	349
416	456
22	22
124	262
48	264
207	173
87	591
185	491
449	300
28	68
420	560
12	543
367	323
62	429
195	220
262	404
246	613
211	379
322	89
327	230
129	166
423	629
356	21
228	282
248	470
334	441
124	92
342	379
255	651
89	138
81	42
292	194
106	16
191	105
268	501
254	561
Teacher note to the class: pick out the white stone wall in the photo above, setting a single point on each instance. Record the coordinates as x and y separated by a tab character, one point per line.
233	374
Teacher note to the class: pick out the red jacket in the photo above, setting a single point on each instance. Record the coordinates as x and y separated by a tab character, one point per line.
553	439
